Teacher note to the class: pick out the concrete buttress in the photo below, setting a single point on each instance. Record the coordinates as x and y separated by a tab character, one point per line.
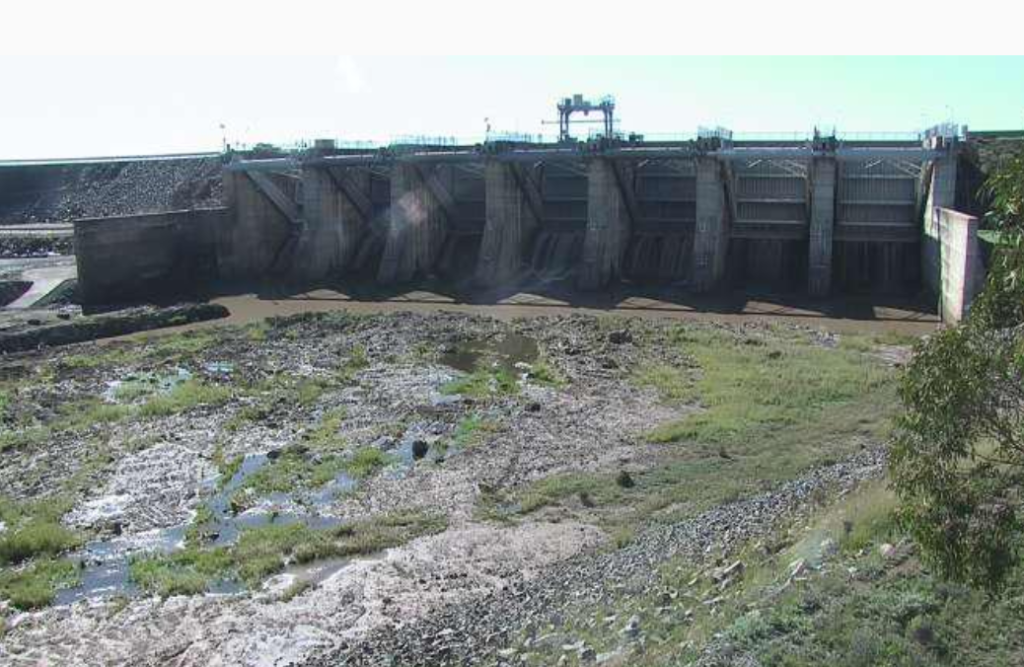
823	214
508	228
416	228
608	227
711	240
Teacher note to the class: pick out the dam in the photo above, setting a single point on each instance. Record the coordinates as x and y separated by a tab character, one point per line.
820	215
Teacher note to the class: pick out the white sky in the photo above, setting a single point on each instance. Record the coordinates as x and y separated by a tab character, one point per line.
87	106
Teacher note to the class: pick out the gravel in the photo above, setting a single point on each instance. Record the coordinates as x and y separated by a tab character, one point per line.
125	188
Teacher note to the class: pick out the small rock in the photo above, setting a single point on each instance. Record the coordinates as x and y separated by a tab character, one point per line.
632	627
419	449
620	337
625	480
887	550
533	407
586	654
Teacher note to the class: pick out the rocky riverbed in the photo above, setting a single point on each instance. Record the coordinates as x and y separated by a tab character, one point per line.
400	488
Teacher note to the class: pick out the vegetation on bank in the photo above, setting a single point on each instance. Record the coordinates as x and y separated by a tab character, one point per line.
846	588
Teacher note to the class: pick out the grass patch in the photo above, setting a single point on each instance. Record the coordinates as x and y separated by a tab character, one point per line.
325	436
90	412
262	552
24	438
543	373
185	396
670	383
35	585
365	461
770	407
292	470
471	430
483	383
758	390
34	530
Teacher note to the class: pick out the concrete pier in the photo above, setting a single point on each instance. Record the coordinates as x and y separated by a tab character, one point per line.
823	213
608	226
509	226
333	227
253	244
711	240
416	229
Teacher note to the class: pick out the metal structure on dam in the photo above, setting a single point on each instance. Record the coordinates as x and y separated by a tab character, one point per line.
819	215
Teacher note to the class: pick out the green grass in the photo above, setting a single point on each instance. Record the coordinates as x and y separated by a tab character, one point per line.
185	396
483	383
669	382
757	391
129	392
88	413
25	438
34	530
35	585
365	461
35	538
325	436
763	410
262	552
471	430
293	470
543	373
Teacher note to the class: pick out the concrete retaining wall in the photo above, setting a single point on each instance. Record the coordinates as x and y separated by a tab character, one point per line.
142	256
952	262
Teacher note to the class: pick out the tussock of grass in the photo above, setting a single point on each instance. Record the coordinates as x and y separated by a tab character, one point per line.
325	436
483	383
543	373
185	396
90	412
34	530
33	539
365	461
471	430
35	585
24	438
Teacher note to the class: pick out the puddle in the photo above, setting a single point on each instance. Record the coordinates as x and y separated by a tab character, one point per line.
504	352
104	564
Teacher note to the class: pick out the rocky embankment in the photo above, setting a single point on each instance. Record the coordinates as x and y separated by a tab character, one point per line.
110	189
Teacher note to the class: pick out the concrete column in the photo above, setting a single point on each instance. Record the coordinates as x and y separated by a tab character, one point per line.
607	227
711	240
253	233
508	229
823	214
941	194
416	229
333	227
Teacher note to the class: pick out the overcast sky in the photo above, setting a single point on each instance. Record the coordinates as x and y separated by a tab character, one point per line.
54	107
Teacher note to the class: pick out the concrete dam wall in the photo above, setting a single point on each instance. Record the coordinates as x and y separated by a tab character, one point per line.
819	217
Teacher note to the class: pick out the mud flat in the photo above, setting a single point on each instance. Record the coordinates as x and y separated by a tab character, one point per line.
404	488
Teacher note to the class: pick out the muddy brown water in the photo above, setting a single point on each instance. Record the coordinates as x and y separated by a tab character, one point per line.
855	314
